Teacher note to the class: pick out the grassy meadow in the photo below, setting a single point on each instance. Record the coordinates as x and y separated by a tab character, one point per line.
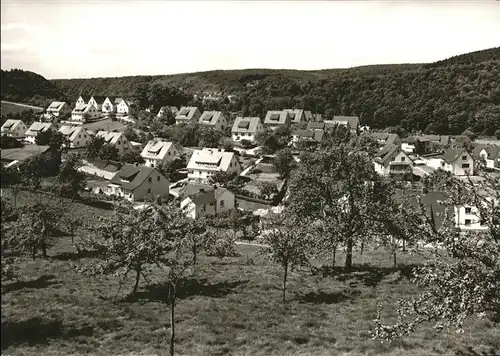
7	108
226	307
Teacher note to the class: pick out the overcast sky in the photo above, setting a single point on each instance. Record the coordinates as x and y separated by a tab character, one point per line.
81	39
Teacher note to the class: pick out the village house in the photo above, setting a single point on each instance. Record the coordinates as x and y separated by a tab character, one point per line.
187	114
206	162
76	135
82	100
35	128
352	122
97	101
276	118
296	115
423	144
202	200
392	161
124	108
110	105
13	128
490	155
116	139
58	109
213	119
85	112
158	151
246	128
135	183
312	136
164	110
384	138
458	161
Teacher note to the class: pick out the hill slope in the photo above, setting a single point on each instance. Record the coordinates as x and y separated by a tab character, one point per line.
28	87
445	97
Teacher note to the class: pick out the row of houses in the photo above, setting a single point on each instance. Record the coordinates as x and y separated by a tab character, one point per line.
90	107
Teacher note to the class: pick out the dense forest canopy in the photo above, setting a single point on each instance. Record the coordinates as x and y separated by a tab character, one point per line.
445	97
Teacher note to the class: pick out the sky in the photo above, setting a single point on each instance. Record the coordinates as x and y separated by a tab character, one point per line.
91	38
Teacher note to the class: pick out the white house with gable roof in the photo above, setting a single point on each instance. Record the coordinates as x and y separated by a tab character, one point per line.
76	135
58	109
35	129
14	128
158	151
116	139
246	128
206	162
213	119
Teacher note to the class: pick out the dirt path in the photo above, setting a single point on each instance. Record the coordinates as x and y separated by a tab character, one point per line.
23	105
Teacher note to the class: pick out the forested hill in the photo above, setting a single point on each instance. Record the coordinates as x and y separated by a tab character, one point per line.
445	97
28	87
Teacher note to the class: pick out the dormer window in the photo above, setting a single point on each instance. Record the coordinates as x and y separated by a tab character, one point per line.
464	158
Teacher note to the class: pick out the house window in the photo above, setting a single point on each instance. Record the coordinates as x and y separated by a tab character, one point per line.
149	190
158	178
222	203
467	210
204	208
403	159
442	164
467	222
118	142
212	204
464	158
150	180
465	165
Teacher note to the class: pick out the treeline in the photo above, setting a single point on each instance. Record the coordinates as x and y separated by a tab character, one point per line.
28	87
446	97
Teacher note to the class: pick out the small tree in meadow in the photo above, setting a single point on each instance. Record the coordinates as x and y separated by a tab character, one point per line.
286	243
131	240
39	219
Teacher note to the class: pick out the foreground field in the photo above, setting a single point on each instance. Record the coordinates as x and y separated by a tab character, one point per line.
226	307
8	107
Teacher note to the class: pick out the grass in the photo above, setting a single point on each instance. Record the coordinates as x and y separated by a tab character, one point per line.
106	125
227	307
7	108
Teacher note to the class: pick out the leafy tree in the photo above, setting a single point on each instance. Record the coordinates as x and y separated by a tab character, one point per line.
70	180
471	135
222	178
132	156
8	262
39	219
35	168
51	138
268	141
168	168
284	162
497	134
94	147
108	153
131	240
130	134
336	186
454	289
10	176
286	243
208	137
9	142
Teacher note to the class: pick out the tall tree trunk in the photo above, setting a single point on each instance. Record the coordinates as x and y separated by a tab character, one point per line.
284	281
44	250
348	257
404	245
334	255
194	249
394	259
33	252
137	276
172	319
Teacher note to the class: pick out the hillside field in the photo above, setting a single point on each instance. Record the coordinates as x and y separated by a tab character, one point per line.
7	108
226	307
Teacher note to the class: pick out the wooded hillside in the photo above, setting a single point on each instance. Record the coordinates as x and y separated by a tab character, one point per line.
445	97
